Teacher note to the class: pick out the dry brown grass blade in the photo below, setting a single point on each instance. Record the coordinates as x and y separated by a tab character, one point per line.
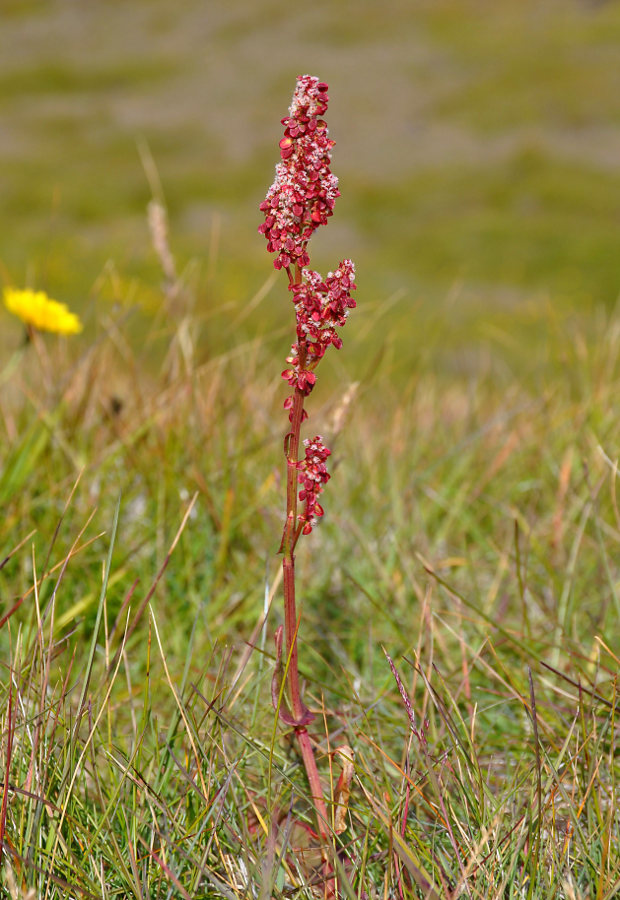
345	757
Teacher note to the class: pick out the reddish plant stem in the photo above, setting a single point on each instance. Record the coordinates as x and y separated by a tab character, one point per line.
298	709
289	540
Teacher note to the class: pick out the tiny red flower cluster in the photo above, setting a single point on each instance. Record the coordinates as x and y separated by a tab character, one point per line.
320	307
304	191
313	475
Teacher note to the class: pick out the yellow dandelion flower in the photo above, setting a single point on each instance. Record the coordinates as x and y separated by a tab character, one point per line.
37	309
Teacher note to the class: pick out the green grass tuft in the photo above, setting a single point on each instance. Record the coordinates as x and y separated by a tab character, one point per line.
475	500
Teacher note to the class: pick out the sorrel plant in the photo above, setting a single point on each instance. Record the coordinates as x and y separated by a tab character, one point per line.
301	198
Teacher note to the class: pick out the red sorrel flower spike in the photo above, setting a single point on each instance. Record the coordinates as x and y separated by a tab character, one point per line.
313	475
304	191
301	198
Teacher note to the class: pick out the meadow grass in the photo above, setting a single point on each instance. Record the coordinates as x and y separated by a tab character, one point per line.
471	534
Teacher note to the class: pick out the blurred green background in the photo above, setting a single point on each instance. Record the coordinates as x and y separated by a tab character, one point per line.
478	145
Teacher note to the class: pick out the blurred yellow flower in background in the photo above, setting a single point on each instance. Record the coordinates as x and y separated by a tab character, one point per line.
35	308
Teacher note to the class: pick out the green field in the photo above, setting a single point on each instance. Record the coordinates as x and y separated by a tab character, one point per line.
472	526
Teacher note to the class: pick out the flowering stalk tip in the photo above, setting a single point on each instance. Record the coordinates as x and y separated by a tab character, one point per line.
304	191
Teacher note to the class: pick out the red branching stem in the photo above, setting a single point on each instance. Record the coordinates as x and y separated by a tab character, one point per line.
290	630
300	713
291	534
312	772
